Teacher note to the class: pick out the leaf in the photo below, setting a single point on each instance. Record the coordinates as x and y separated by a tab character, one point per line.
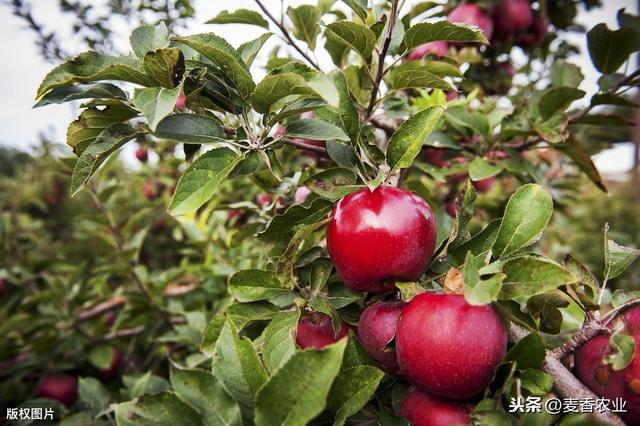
479	292
275	87
527	214
408	290
297	392
565	74
249	50
93	393
81	91
416	74
332	184
351	391
348	112
537	382
156	103
343	154
101	356
624	348
240	16
165	66
358	37
279	340
190	128
109	140
200	181
286	261
149	38
582	159
609	49
476	122
406	142
311	128
221	53
480	169
557	99
201	390
617	258
238	368
359	7
92	121
611	99
528	275
528	352
306	23
604	119
426	32
92	66
153	410
255	284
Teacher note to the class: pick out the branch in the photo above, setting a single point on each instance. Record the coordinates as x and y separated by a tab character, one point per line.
302	145
101	308
285	33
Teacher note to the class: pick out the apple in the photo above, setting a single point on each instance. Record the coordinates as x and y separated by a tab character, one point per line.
376	329
448	347
513	16
604	381
536	33
301	194
61	388
452	96
435	156
469	13
450	208
141	154
316	331
181	103
484	185
150	190
422	409
263	200
631	318
112	371
436	48
377	237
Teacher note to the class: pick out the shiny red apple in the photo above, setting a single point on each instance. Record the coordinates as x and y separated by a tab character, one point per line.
470	13
377	237
315	330
141	154
376	329
513	16
448	347
61	388
536	33
422	409
436	48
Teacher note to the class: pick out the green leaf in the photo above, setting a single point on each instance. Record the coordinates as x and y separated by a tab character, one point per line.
358	6
298	391
528	352
149	38
604	119
537	382
528	275
93	393
416	74
426	32
557	99
610	49
101	356
565	74
476	291
237	366
343	154
624	348
240	16
409	289
91	66
617	258
255	284
153	410
286	261
477	122
279	340
221	53
201	390
156	103
190	128
406	142
200	181
320	273
480	169
527	214
275	87
351	391
306	23
109	140
249	50
81	91
312	128
165	66
348	112
358	37
282	228
354	353
611	99
582	159
333	184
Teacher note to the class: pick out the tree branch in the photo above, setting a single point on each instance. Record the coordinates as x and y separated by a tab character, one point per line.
302	145
101	308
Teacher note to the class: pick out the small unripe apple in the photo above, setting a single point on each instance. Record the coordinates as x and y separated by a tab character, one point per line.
604	381
536	33
484	185
181	103
315	330
469	13
377	237
141	154
448	347
513	16
422	409
301	194
376	329
112	371
61	388
436	48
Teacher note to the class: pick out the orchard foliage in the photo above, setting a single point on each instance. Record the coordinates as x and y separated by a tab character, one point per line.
252	308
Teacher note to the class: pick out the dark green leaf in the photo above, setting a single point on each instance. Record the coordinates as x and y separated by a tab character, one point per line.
190	128
249	50
348	112
333	184
528	275
165	66
306	23
275	87
282	228
358	37
240	16
610	49
156	103
153	410
557	99
406	142
352	389
343	154
311	128
149	38
528	352
426	32
81	91
416	74
93	393
279	340
252	285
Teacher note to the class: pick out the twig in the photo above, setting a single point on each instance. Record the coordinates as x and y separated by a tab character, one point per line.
302	145
285	32
101	308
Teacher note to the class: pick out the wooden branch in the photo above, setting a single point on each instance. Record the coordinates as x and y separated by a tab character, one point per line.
101	308
302	145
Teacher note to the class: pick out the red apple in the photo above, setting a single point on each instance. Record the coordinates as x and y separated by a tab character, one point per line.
512	16
536	33
452	96
437	48
467	13
263	200
61	388
380	236
448	347
435	156
376	329
301	194
141	154
604	381
181	103
631	318
450	208
484	185
316	331
112	371
150	190
422	409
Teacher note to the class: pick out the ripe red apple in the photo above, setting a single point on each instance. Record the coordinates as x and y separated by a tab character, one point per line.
61	388
380	236
376	329
112	371
422	409
141	154
448	347
604	381
301	194
450	208
181	103
536	33
469	13
484	185
631	318
316	331
512	16
437	48
435	156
